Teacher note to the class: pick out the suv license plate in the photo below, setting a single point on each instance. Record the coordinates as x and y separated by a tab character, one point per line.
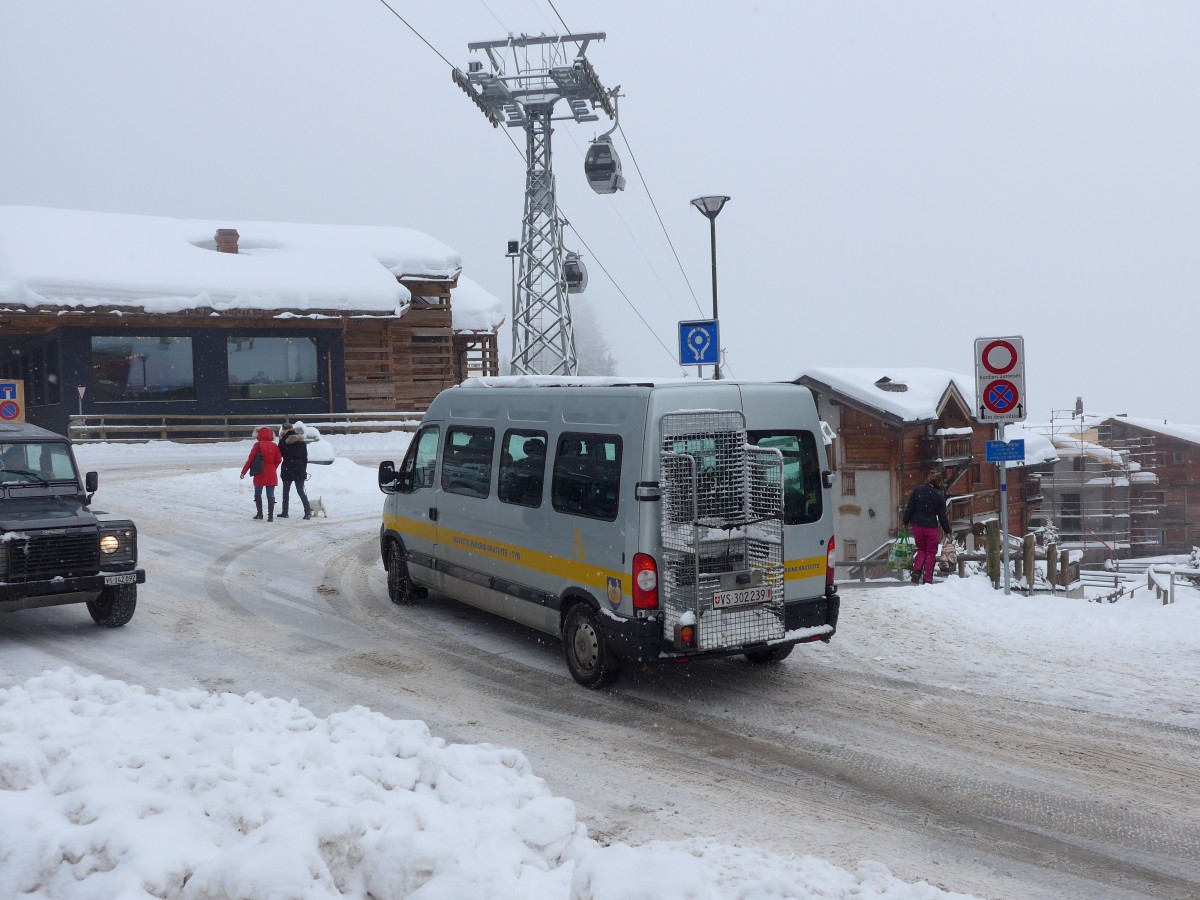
120	579
744	597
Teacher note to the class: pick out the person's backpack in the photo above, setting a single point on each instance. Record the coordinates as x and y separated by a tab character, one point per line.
256	464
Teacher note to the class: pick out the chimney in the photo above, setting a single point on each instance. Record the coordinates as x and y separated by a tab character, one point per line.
227	240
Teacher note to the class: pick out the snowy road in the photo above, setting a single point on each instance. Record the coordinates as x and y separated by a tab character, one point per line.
833	753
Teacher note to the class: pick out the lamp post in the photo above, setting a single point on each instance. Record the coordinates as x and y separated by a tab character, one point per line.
711	207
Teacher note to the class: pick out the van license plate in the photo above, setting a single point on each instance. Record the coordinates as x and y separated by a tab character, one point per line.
120	579
744	597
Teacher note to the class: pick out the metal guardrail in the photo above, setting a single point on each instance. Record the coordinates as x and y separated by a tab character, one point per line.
130	429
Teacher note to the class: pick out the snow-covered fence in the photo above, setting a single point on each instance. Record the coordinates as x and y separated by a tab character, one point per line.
198	429
1162	580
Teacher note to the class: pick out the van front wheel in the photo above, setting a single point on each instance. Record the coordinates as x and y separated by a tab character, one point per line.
400	589
590	659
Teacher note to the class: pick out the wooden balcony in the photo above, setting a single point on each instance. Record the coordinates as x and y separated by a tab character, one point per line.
951	449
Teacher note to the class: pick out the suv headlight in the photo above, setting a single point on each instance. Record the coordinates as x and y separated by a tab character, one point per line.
118	544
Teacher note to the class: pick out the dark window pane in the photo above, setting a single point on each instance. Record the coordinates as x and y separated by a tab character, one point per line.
128	369
522	467
270	368
53	375
801	472
467	461
587	475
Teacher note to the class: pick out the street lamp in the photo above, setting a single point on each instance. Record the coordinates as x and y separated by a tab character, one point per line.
711	207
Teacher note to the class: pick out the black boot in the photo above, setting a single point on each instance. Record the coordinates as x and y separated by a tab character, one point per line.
307	511
271	509
258	506
916	576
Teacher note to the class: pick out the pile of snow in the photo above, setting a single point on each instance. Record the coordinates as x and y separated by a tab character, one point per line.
107	790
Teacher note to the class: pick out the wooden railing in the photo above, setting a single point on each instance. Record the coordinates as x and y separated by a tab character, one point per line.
199	429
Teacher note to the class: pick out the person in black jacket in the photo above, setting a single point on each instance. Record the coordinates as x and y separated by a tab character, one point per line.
925	514
295	466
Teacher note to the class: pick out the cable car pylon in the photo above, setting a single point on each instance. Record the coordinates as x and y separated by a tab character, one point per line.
524	96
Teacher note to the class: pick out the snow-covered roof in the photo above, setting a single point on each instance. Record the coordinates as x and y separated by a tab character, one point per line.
911	395
1189	433
72	258
473	308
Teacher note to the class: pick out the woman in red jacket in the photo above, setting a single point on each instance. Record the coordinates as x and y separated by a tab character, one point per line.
267	476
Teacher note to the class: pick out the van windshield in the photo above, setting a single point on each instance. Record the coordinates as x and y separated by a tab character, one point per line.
36	462
802	498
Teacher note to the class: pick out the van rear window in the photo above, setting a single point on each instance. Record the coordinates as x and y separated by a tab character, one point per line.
587	475
802	498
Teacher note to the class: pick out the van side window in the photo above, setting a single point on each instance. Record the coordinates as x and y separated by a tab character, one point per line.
522	467
587	475
467	461
802	497
416	471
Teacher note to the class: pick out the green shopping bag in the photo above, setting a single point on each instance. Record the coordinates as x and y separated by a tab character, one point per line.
901	553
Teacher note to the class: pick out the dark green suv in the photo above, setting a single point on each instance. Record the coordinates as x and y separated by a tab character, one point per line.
54	549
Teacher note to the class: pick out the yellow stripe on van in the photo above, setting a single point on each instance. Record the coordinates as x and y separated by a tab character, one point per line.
812	567
570	570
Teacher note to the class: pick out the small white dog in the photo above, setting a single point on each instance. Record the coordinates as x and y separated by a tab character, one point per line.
317	506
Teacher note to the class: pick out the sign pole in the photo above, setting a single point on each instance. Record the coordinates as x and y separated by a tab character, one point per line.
1002	467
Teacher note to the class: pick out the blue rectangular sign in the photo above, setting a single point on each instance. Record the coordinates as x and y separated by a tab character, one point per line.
1006	451
699	343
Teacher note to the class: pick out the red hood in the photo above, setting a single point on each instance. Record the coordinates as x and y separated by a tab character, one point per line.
265	434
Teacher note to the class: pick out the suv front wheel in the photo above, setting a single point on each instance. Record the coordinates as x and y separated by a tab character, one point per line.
115	605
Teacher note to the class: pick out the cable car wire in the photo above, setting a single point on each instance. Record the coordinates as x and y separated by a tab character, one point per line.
593	254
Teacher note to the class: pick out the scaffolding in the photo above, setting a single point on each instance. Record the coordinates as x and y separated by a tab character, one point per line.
1102	495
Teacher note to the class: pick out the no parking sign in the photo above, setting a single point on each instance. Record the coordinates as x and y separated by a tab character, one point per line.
1000	379
12	401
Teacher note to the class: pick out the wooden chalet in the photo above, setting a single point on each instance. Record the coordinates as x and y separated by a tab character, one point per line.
892	428
112	314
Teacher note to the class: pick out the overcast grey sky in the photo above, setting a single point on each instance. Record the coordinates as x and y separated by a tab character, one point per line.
906	176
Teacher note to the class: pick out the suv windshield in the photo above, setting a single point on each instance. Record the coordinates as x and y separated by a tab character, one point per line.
36	462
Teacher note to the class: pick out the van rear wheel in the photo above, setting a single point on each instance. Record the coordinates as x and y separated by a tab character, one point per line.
770	655
589	657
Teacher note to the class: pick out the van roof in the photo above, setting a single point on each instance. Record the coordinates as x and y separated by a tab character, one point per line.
23	431
567	381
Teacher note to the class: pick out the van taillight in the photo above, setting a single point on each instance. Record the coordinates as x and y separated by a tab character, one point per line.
645	581
829	564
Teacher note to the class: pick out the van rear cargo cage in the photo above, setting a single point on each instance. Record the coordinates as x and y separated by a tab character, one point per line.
722	531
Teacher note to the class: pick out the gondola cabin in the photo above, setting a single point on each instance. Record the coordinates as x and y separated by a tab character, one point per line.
574	273
603	167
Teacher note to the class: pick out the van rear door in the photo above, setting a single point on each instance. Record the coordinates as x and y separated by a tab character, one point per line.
783	417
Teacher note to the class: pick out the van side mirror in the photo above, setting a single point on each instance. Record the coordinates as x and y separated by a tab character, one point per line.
828	478
91	481
387	477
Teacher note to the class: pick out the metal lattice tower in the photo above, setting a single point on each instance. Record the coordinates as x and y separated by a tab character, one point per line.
544	70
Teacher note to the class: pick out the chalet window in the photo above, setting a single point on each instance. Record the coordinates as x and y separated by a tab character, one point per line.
138	369
851	550
1178	456
271	368
847	480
